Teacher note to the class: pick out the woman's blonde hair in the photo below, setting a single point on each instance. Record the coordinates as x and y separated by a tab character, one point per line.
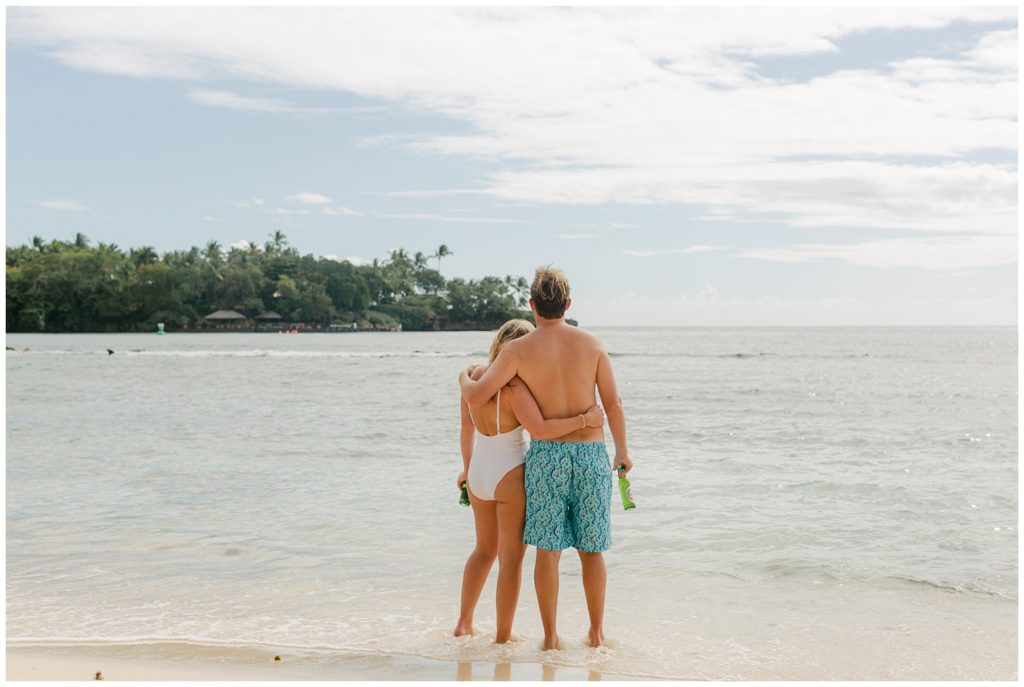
513	329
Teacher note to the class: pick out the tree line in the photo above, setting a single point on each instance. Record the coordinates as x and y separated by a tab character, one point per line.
75	286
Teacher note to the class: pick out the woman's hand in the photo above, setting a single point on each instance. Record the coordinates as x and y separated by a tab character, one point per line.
594	416
460	479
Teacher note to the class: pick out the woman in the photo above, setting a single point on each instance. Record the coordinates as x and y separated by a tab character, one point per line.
493	456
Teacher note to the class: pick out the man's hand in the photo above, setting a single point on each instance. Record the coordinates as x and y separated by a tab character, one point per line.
625	462
594	416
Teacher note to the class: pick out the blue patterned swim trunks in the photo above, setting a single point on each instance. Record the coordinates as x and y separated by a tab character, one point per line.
568	496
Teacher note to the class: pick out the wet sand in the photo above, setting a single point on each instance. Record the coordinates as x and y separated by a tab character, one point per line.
174	662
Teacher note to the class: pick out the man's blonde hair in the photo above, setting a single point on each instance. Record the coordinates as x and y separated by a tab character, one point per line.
513	329
550	292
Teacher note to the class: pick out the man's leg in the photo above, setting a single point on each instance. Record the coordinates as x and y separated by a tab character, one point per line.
590	503
595	582
545	579
547	526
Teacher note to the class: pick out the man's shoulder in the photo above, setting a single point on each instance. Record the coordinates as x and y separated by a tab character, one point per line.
588	338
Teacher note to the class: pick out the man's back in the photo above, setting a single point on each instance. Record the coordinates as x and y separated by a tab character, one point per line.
559	362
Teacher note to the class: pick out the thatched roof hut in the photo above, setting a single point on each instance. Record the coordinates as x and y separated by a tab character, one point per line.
269	315
225	316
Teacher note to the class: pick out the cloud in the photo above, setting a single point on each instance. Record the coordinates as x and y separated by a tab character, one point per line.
452	218
245	245
210	218
997	49
938	254
342	210
309	198
708	310
426	193
327	207
612	225
647	105
248	203
71	205
234	101
708	293
671	251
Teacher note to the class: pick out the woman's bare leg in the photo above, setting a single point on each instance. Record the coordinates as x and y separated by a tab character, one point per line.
511	513
474	576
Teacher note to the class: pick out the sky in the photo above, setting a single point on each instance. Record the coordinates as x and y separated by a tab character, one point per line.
684	166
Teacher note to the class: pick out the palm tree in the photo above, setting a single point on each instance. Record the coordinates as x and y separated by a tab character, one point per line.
143	255
213	252
81	240
442	252
277	241
519	289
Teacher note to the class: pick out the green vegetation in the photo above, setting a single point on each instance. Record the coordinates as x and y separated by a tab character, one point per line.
63	286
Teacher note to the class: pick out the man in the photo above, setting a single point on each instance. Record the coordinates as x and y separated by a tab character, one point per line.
568	481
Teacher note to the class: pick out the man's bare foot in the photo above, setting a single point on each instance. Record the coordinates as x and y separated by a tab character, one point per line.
463	628
499	639
554	644
595	638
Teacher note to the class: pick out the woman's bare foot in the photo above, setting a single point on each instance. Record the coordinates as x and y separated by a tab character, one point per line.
463	628
499	639
595	638
551	644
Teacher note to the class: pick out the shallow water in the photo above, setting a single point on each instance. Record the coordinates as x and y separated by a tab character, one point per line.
813	502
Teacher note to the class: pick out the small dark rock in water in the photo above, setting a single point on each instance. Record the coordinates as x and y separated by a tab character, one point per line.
110	351
277	658
99	675
10	348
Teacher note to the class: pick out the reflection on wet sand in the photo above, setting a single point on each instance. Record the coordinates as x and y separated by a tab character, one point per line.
503	672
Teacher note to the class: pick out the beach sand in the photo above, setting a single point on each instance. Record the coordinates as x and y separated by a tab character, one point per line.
190	662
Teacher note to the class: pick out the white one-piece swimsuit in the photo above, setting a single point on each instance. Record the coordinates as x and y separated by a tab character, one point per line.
494	456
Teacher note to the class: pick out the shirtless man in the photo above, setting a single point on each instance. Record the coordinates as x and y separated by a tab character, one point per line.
568	480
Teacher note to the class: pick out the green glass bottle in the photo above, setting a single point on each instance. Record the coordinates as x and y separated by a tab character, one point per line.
624	491
464	496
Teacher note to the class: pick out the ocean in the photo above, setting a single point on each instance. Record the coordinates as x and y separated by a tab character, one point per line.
813	503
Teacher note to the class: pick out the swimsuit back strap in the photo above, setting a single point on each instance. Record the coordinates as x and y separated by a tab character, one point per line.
497	411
